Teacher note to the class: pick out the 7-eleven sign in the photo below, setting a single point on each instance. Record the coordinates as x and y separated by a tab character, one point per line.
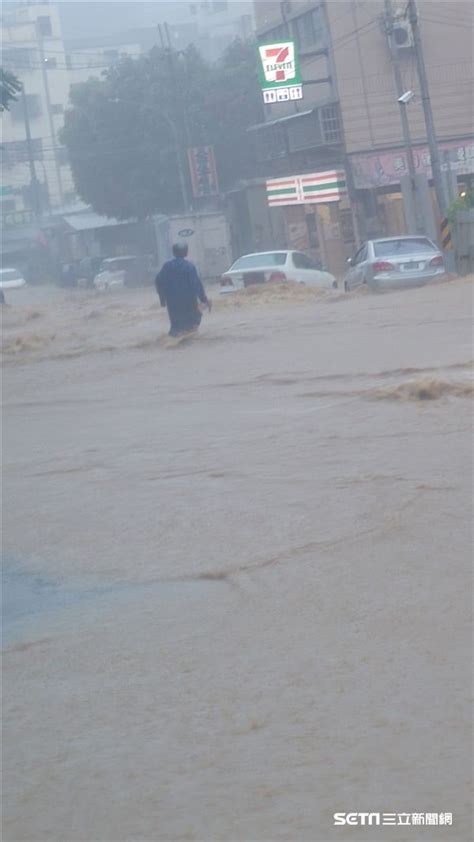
278	65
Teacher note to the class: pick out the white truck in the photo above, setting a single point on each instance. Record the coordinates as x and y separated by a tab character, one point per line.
208	238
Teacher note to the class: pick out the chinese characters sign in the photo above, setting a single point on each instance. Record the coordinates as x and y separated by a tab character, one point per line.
202	165
373	170
279	72
13	218
311	188
377	819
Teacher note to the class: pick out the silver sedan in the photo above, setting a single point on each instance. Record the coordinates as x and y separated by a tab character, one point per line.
394	262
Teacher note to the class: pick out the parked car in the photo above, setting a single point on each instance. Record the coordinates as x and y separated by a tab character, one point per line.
124	271
276	266
11	279
390	262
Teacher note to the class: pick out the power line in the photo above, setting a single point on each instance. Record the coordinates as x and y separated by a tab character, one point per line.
304	60
65	52
439	14
29	65
341	41
428	67
346	39
382	93
455	24
18	65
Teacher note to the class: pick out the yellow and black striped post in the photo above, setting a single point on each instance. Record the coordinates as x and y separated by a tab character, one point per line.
446	241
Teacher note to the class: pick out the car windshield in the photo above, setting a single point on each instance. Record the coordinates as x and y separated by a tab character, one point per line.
408	245
10	275
256	261
116	265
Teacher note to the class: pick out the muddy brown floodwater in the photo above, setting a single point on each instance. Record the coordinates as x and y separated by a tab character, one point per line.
238	571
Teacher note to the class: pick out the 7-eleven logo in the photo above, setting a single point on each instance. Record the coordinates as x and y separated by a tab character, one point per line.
278	62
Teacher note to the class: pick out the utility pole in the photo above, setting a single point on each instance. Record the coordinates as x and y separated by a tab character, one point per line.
357	215
35	185
170	52
179	163
426	102
389	21
50	113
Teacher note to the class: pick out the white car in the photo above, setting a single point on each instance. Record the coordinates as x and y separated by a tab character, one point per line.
276	266
11	279
129	270
112	273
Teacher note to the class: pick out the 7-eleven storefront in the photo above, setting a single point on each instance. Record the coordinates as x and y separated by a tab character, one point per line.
317	215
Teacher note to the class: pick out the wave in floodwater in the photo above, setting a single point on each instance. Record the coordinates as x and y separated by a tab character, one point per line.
272	294
425	389
24	343
27	346
417	389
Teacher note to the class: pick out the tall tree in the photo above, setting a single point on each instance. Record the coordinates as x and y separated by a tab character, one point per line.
126	133
10	86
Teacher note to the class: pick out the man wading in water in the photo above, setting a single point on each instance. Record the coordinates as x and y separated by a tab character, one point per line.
180	289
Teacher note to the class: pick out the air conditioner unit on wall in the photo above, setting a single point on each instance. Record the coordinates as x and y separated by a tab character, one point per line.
402	33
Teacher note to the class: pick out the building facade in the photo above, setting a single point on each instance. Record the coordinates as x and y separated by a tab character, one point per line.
349	117
37	187
36	177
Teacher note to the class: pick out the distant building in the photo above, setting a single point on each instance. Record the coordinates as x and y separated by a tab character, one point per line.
33	49
219	23
210	26
85	60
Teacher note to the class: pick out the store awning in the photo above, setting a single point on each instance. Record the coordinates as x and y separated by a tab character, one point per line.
90	221
280	120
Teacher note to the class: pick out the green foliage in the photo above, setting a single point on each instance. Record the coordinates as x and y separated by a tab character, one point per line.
124	132
10	86
460	204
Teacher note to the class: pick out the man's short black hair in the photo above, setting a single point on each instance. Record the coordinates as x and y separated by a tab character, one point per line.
180	249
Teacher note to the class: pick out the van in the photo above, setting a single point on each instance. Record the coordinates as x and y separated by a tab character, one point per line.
125	271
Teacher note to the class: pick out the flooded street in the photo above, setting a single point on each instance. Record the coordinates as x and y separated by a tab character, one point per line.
237	592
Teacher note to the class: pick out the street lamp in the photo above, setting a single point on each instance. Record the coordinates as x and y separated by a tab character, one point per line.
175	133
179	163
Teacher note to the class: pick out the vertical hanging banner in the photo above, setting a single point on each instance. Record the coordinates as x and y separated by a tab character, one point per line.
202	164
279	72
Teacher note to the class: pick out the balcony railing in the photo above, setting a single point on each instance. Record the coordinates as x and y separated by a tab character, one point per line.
316	128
